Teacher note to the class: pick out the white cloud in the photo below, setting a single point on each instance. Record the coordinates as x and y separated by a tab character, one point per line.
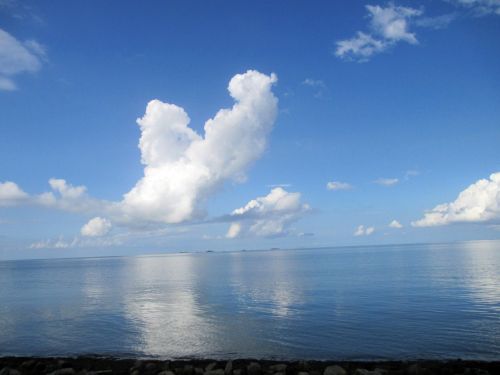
363	231
389	25
67	197
183	168
480	202
267	216
386	181
96	227
480	7
11	194
395	224
360	48
337	185
17	57
392	22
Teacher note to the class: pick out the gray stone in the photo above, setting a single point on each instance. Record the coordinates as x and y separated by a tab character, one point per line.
166	372
281	367
334	370
228	370
254	368
237	371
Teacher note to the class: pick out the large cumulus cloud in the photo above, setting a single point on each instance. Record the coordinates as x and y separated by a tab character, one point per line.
182	168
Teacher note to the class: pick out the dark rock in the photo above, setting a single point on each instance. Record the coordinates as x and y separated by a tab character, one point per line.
281	367
302	373
64	371
9	371
198	371
166	372
254	368
362	371
188	370
218	371
211	366
238	371
228	370
28	364
150	367
334	370
303	366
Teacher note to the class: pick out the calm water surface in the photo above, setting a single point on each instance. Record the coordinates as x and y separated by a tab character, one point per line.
414	301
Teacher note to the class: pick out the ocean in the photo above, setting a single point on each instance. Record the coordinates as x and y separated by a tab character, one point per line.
381	302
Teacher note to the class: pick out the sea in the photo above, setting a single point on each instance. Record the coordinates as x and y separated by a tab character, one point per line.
433	301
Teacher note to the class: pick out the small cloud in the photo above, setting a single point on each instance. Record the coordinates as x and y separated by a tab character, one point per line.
96	227
337	185
268	216
386	181
395	224
364	231
359	48
11	194
389	25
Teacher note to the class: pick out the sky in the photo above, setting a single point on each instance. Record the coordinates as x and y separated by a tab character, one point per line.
142	127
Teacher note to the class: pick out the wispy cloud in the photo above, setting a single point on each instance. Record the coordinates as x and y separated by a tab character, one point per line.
389	25
318	85
337	185
386	181
18	57
479	7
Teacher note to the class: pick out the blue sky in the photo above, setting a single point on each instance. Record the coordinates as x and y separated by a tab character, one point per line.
396	104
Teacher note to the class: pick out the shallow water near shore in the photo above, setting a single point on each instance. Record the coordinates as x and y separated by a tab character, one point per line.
385	302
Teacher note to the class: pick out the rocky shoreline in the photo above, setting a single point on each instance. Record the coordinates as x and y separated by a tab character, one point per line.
106	365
